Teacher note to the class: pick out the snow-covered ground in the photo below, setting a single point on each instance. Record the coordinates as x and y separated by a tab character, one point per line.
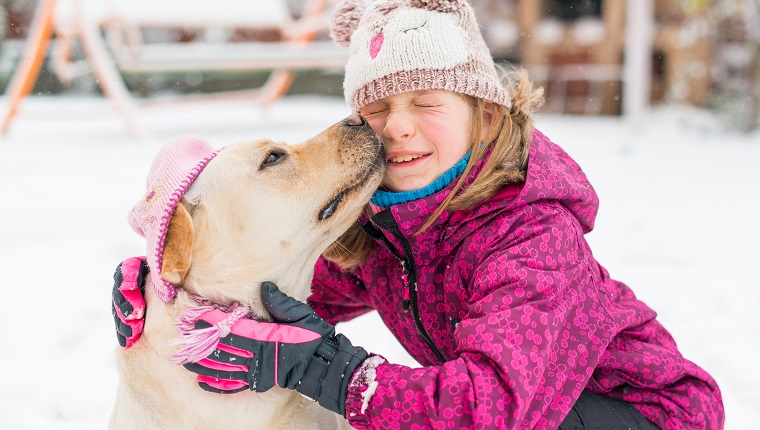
678	223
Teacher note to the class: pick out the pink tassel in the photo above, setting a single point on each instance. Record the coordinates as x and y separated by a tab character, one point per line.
196	345
187	320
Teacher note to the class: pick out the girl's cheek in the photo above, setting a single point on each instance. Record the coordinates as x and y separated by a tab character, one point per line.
434	126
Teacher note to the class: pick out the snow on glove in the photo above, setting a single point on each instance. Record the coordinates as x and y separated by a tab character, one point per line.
299	350
128	302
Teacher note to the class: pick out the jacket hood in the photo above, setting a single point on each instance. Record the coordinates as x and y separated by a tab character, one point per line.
553	175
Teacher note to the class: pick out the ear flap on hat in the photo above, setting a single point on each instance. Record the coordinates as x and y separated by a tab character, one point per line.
345	20
439	5
178	246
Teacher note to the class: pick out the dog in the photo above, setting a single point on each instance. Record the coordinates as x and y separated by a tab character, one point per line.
259	211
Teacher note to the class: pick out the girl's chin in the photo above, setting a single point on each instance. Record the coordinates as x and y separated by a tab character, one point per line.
404	186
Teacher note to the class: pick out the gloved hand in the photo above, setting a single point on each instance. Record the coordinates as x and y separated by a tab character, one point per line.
299	350
128	301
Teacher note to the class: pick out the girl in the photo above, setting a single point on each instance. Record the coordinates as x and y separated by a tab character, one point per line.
473	254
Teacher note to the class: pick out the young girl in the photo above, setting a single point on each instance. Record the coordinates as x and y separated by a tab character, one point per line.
473	254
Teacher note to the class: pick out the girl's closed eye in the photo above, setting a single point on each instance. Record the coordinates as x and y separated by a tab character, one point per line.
373	109
429	104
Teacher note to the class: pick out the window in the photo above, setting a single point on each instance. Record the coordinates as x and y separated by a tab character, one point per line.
571	10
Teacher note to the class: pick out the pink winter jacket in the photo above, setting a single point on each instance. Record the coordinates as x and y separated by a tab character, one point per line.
510	314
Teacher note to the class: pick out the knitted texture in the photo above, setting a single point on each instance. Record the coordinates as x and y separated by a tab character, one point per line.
174	169
408	45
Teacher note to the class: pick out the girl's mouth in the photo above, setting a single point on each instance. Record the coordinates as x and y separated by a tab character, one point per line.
400	159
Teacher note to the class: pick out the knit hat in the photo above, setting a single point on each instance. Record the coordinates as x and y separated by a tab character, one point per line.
173	171
408	45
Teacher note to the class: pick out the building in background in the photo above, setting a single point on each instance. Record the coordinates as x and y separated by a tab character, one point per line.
576	48
573	48
704	53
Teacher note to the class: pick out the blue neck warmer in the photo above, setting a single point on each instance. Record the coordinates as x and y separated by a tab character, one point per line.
386	199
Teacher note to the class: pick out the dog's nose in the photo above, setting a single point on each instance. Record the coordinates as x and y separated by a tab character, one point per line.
355	120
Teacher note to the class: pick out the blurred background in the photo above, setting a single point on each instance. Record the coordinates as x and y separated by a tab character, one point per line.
657	100
590	55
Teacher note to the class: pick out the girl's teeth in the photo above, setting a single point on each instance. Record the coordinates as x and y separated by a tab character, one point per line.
403	158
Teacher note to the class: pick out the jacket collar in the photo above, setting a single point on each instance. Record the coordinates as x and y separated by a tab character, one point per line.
411	216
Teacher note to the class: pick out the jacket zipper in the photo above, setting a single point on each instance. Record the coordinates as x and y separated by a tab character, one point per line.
412	304
410	269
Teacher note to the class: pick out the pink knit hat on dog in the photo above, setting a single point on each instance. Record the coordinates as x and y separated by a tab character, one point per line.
408	45
174	169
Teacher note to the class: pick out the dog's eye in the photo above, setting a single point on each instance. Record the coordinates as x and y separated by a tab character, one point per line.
331	207
274	157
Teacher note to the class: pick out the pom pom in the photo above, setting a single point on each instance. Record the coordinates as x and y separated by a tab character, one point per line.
345	20
386	7
439	5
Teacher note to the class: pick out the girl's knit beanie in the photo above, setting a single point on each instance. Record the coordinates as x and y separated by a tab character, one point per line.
408	45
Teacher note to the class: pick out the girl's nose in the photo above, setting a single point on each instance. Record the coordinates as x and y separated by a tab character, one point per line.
399	126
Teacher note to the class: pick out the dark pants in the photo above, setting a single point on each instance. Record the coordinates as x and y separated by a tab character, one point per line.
598	412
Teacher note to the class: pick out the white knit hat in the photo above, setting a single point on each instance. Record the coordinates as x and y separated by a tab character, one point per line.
407	45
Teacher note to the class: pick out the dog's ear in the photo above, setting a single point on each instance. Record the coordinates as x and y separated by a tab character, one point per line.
178	246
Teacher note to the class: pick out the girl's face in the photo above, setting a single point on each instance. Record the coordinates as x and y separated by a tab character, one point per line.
425	133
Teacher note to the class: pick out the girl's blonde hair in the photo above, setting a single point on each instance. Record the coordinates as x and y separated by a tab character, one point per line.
509	142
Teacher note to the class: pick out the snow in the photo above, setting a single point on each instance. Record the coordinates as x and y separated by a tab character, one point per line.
678	199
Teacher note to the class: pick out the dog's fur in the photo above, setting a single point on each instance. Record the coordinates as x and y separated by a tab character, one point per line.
238	225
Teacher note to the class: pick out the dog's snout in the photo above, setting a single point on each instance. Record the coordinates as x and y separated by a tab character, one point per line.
355	120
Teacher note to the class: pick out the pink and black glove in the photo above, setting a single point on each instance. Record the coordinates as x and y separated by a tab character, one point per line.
128	302
299	350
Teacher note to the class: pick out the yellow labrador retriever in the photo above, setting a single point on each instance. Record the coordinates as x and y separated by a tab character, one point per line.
259	211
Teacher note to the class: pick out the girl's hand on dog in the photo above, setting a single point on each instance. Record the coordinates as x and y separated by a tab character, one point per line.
299	350
128	299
